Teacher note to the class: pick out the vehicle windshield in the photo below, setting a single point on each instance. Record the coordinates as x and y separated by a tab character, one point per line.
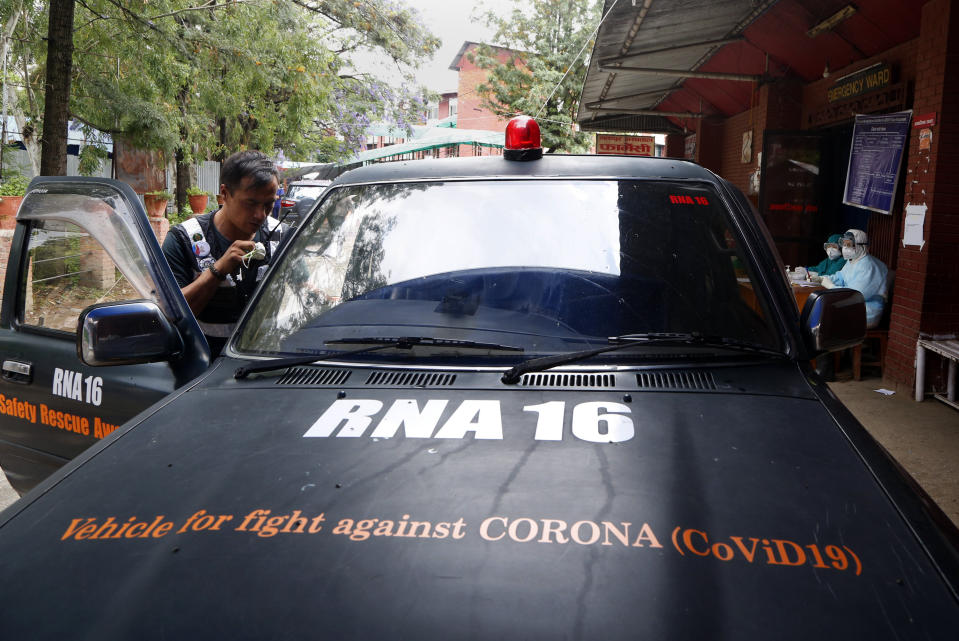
548	266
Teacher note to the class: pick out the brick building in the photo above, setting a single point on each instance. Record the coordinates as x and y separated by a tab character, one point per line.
464	108
470	112
733	91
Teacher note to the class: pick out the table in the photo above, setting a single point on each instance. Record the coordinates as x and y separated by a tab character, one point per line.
947	349
800	294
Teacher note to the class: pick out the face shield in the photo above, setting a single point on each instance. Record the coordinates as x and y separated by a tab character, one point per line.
854	244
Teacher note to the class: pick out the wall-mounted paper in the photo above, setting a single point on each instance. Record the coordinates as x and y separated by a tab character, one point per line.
915	218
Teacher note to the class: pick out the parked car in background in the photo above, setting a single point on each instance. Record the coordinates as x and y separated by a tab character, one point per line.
300	189
299	211
516	397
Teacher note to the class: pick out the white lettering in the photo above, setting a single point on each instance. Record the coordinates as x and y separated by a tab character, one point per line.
67	387
483	418
357	415
77	393
576	534
594	422
531	530
587	419
58	381
95	391
406	413
549	425
70	384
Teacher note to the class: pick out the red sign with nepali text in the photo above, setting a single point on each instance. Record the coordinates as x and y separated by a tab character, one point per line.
925	120
621	145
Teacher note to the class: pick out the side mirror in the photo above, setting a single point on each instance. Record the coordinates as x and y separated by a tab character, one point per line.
125	333
833	319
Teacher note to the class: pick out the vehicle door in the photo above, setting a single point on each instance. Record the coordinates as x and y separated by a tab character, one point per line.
79	242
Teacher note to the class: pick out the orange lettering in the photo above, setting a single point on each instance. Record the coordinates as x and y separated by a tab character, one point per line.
688	543
750	553
75	526
784	553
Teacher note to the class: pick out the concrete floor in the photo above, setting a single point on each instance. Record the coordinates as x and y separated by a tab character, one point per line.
923	437
7	495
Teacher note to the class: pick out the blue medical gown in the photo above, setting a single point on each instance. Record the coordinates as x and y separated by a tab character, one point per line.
868	276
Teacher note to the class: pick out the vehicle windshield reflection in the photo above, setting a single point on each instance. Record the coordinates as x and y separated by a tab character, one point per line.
549	266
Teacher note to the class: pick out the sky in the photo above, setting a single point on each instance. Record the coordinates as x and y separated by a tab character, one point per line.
450	21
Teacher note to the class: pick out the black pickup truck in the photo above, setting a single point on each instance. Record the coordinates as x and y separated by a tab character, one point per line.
512	397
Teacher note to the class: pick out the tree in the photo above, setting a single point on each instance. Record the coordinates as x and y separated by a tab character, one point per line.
545	69
204	78
17	19
56	108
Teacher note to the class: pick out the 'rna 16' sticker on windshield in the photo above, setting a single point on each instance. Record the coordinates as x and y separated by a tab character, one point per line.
74	385
595	421
688	200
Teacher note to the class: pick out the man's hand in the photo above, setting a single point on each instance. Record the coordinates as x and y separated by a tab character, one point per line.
200	291
230	261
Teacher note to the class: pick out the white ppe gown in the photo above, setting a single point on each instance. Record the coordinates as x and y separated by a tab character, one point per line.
868	276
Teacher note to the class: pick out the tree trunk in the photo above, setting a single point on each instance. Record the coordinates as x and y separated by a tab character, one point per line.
8	29
27	126
182	180
56	107
221	153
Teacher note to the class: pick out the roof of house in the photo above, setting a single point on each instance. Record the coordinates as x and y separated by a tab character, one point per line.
455	65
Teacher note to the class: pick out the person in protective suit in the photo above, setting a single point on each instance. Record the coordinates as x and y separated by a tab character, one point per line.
862	272
833	261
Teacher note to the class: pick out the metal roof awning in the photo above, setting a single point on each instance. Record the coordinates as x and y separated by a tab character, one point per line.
646	49
659	65
434	139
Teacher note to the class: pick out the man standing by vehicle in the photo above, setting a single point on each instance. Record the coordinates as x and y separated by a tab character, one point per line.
218	258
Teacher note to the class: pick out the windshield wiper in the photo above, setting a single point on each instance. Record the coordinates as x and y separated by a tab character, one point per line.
513	375
695	338
425	341
379	343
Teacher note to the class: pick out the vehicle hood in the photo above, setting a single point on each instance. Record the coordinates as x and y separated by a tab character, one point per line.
559	508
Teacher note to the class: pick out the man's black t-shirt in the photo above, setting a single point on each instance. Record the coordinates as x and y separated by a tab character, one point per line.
234	293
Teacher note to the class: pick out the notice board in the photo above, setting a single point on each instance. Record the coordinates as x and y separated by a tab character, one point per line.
874	159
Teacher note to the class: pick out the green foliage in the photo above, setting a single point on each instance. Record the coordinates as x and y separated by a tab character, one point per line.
90	157
543	73
14	185
160	194
202	80
178	217
193	190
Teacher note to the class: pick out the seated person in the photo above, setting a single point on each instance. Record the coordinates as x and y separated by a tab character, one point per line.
833	261
862	272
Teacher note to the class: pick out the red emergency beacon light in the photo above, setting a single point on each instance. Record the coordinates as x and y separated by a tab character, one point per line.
522	139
